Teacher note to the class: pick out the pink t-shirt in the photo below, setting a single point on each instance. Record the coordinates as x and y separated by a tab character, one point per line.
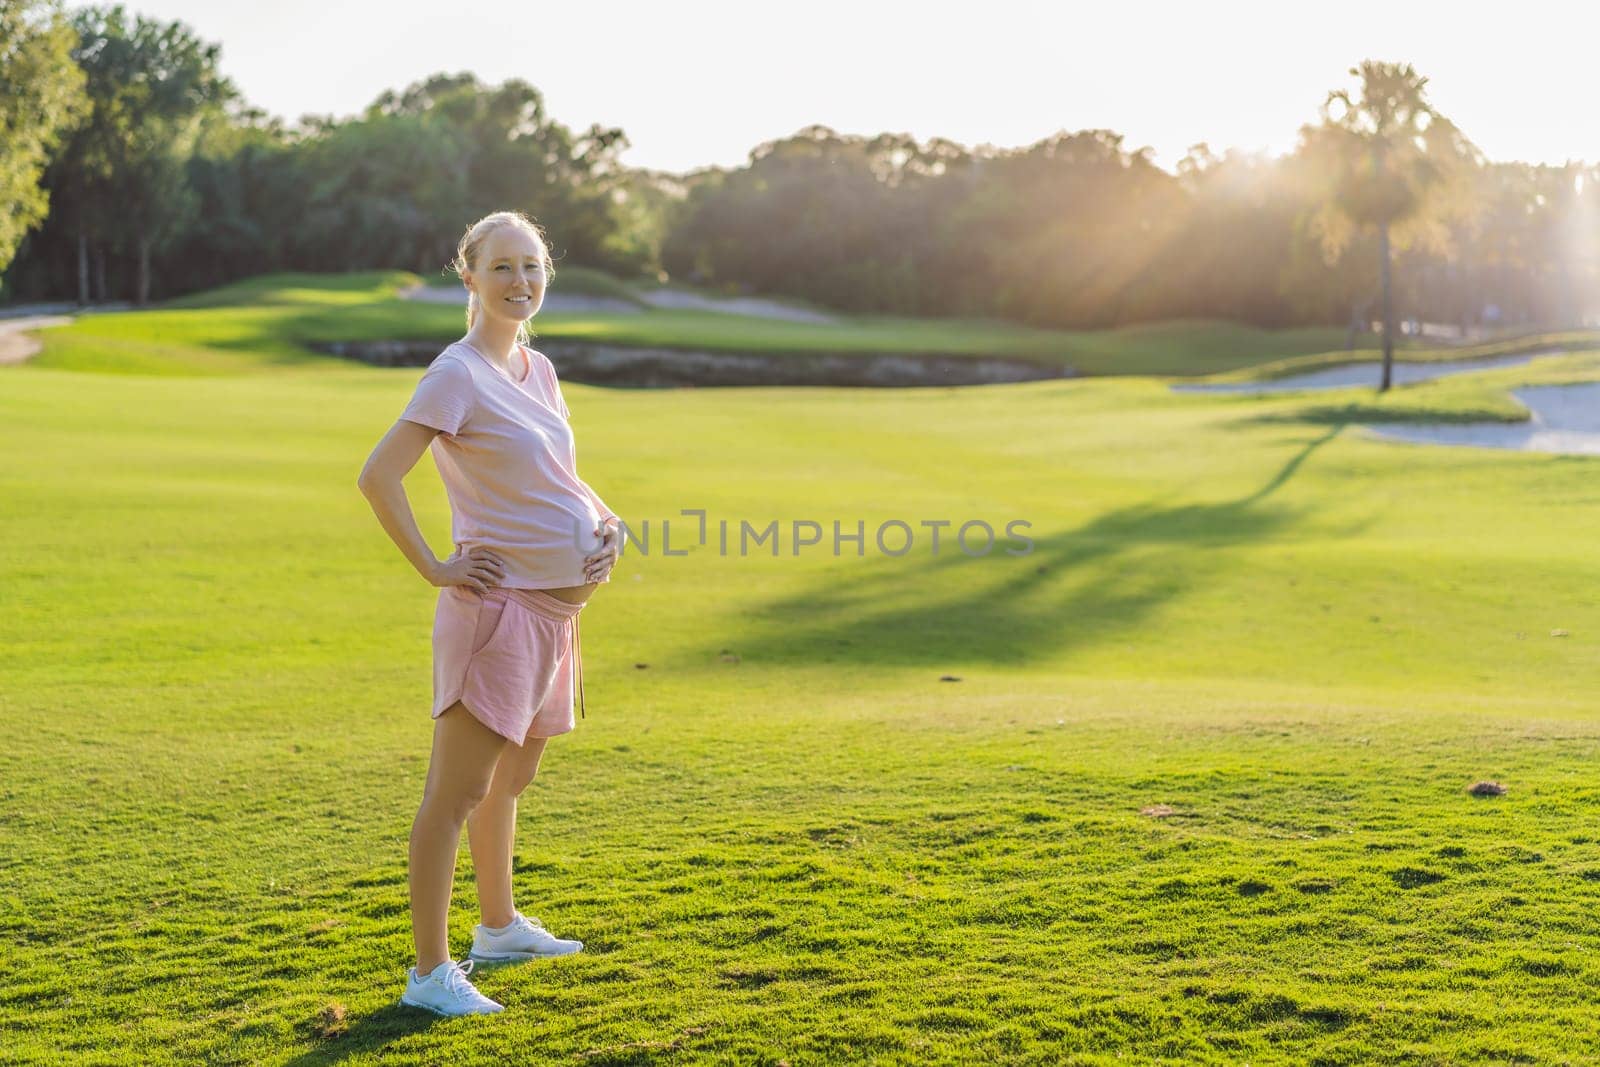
509	464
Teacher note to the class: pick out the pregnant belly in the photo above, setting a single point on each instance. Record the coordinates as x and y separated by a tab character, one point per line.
574	594
543	548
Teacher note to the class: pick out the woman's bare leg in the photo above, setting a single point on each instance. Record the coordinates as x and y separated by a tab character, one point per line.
492	826
492	830
459	774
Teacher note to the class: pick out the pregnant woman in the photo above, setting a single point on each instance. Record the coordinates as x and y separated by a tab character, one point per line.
532	542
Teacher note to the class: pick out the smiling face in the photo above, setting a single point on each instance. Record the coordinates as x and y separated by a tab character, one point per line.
509	276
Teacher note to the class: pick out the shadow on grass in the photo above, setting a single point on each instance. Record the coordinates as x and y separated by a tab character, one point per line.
371	1033
1116	570
1339	415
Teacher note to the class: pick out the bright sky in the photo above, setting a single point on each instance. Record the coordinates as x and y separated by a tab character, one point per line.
698	82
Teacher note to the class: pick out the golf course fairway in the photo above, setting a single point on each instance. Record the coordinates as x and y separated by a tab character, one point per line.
1196	790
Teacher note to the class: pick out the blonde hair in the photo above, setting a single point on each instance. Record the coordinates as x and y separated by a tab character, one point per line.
472	243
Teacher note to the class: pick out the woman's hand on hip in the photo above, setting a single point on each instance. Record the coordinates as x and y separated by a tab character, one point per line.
597	567
479	569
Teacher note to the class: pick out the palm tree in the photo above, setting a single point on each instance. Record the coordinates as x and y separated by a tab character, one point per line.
1390	162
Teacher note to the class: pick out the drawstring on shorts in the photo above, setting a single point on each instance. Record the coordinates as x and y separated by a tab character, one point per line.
577	664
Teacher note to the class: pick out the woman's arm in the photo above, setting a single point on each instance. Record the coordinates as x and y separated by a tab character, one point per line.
380	482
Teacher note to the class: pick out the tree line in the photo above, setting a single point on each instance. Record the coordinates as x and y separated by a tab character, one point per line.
140	173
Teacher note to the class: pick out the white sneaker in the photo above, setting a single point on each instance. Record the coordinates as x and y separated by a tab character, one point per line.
524	939
446	991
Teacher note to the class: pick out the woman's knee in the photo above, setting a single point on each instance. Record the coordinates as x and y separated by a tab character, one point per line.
463	766
453	801
518	766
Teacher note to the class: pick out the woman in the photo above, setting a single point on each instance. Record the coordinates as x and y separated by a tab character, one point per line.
532	542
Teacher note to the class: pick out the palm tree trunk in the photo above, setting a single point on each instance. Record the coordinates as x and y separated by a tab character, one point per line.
1388	310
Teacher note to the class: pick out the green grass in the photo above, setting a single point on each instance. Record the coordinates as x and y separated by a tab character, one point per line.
245	329
267	324
1305	642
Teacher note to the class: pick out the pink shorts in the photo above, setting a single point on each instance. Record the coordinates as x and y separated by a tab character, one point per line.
510	657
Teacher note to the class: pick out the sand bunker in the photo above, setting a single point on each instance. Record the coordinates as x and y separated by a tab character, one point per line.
1565	419
744	305
1359	374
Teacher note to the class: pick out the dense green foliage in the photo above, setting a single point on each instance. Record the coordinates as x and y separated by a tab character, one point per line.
1079	230
1082	230
41	93
169	165
121	179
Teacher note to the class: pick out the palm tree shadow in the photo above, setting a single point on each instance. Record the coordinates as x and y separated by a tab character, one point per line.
1064	594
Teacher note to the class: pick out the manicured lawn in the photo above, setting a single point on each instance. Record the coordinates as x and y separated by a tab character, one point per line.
266	323
782	836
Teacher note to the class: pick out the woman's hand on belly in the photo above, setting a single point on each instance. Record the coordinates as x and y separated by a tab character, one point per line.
597	567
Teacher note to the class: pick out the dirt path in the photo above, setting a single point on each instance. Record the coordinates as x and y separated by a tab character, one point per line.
17	343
